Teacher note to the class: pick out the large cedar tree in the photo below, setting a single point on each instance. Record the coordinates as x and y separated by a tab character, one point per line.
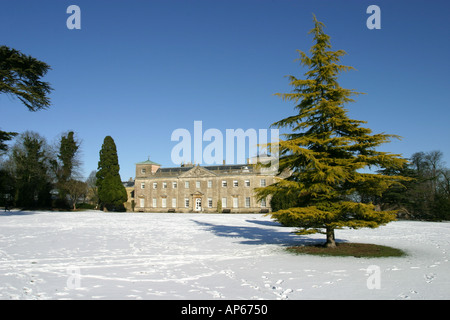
327	151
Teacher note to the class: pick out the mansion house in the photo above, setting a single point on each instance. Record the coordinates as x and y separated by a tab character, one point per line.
192	188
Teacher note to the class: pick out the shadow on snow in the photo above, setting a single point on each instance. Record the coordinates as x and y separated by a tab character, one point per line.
18	213
260	235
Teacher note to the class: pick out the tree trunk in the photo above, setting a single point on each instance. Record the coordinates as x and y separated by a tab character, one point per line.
330	238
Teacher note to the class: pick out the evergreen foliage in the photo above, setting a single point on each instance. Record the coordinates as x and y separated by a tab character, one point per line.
284	199
326	151
5	136
30	158
111	192
219	206
67	152
7	188
65	165
20	76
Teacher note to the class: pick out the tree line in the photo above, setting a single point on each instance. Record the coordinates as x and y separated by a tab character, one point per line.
34	174
426	195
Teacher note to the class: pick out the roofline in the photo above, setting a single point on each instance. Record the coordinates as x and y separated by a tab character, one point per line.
148	162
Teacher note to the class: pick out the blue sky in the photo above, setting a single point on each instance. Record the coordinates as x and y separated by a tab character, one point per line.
138	70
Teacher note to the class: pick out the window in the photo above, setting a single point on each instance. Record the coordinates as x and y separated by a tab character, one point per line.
174	185
235	183
235	202
224	202
174	202
247	183
210	203
164	185
197	184
164	202
154	202
186	202
224	183
262	182
209	183
155	185
143	170
142	185
247	202
263	203
186	184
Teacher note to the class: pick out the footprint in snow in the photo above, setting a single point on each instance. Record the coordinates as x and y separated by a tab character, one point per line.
407	295
429	277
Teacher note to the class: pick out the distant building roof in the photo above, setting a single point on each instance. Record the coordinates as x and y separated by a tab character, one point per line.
149	162
217	169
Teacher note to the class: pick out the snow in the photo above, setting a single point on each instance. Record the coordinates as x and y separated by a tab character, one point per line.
97	255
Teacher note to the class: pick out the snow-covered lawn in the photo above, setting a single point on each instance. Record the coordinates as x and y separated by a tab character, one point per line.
96	255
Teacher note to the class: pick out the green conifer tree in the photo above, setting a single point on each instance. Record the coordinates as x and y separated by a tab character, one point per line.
20	76
67	151
327	150
65	169
111	192
30	156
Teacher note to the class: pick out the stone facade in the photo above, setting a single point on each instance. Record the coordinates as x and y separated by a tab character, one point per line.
192	188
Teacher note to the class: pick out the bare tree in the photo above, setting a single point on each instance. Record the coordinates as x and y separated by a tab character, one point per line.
92	190
75	190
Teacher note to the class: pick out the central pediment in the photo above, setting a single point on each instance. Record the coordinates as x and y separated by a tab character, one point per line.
198	172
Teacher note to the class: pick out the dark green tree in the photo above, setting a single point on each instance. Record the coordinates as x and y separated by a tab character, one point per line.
7	187
5	136
65	165
326	152
111	192
30	158
67	155
20	76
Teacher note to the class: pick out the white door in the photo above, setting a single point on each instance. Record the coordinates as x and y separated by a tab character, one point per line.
198	204
142	203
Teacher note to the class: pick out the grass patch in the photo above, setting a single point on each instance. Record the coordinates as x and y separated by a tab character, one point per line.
358	250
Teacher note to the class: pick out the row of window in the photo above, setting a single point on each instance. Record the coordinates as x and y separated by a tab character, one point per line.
235	203
262	183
